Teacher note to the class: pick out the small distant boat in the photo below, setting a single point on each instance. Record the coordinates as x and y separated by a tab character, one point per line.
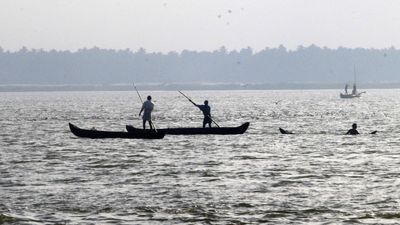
357	95
354	93
196	131
96	134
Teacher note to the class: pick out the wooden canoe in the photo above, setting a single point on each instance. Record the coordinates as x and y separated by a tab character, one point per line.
85	133
195	130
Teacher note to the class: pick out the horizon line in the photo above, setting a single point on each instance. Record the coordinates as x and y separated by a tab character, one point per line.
142	49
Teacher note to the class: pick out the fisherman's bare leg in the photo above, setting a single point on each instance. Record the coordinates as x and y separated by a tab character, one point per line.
207	121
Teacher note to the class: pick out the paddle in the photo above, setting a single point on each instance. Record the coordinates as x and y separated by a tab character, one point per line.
190	100
140	97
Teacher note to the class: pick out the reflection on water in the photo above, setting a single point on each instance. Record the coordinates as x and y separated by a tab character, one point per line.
316	176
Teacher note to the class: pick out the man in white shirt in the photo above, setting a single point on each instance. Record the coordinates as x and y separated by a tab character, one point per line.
147	107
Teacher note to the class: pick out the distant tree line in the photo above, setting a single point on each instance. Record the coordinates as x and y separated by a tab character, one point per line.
271	65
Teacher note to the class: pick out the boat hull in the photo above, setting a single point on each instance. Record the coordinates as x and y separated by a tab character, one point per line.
350	95
96	134
198	131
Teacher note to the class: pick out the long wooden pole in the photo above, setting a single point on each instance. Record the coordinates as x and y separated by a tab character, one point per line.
190	100
140	97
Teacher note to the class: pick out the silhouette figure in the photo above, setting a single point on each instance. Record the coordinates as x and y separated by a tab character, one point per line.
353	130
147	107
206	109
354	91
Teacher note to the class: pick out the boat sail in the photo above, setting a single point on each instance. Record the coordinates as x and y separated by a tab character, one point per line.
354	93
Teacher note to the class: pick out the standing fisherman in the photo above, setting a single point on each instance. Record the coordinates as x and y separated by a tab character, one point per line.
147	107
206	109
354	91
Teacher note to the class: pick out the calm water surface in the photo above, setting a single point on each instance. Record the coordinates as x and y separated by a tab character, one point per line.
318	176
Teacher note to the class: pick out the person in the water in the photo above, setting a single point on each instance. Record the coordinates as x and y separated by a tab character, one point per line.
353	130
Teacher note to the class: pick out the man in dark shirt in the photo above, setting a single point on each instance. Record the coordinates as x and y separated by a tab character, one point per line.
206	109
353	130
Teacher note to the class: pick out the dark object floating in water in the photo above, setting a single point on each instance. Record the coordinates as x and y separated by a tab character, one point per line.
194	130
284	131
96	134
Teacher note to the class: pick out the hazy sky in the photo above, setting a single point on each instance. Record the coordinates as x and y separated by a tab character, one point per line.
173	25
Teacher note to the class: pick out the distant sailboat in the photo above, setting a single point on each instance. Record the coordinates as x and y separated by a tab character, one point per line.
354	93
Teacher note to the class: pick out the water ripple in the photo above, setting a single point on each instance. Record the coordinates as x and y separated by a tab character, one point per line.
317	176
